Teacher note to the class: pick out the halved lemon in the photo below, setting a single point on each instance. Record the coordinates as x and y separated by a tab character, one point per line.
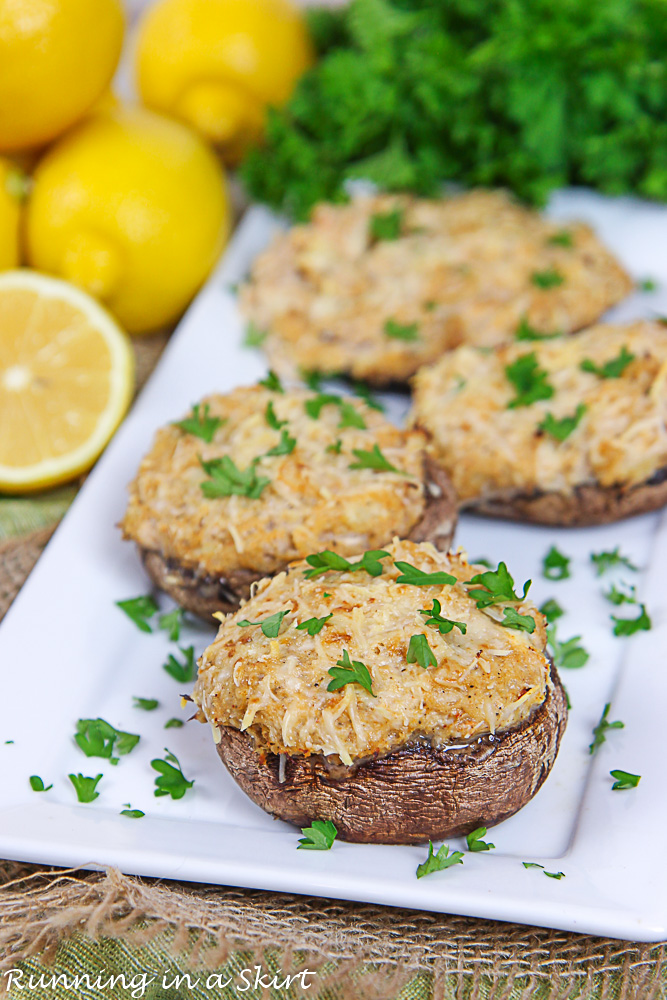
66	379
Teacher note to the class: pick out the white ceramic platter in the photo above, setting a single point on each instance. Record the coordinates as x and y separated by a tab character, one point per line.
67	652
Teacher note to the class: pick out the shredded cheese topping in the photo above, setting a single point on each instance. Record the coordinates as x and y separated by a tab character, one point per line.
275	689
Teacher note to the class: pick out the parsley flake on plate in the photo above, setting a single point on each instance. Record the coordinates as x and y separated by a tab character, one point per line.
226	479
475	842
132	813
200	424
139	610
412	576
271	418
401	331
443	625
84	787
551	610
285	446
386	225
525	331
556	875
495	587
349	672
146	704
629	626
529	381
254	337
373	459
270	626
174	724
600	731
314	625
272	382
555	566
617	596
171	780
98	738
522	623
318	837
610	369
172	622
37	784
648	285
438	862
328	561
569	654
604	561
534	864
182	670
624	780
561	429
550	278
420	652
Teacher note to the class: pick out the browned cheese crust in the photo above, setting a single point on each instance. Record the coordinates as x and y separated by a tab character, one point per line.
464	269
503	459
207	552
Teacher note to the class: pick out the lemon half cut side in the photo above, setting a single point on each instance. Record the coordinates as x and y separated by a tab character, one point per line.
66	380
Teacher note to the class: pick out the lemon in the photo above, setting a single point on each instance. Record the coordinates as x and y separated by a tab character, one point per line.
12	192
56	59
132	207
66	377
217	64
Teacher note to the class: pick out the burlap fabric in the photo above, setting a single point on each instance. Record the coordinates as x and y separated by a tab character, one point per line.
56	923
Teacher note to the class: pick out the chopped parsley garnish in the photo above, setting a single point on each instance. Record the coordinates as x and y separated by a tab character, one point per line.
561	239
271	418
85	787
610	369
569	654
512	619
420	652
328	561
285	446
373	459
534	864
430	305
314	406
617	596
438	862
443	625
608	560
146	704
525	331
170	780
350	416
182	670
600	731
363	391
314	625
529	381
629	626
561	429
334	449
648	285
386	225
254	337
401	331
349	672
271	382
97	738
624	780
551	610
312	378
475	842
555	566
171	622
132	813
37	784
556	875
317	837
498	586
174	724
227	479
551	278
139	610
415	577
200	424
270	626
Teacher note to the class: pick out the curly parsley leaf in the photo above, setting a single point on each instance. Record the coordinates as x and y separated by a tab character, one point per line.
617	596
415	577
171	780
561	429
98	738
172	622
318	837
569	654
495	587
146	704
600	731
254	337
37	784
438	862
350	672
551	610
475	842
328	561
624	780
271	418
610	369
272	382
550	278
200	424
522	623
555	566
182	670
386	225
401	331
84	787
285	446
314	625
443	625
604	561
420	652
529	381
139	610
270	626
373	459
226	479
629	626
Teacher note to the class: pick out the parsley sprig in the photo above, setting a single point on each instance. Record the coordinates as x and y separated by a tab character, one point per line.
550	278
139	610
146	704
443	625
551	610
328	561
373	459
475	842
610	369
600	731
438	862
349	671
171	780
561	429
569	654
415	577
272	382
319	836
200	424
37	784
98	738
630	626
270	626
172	622
226	479
529	381
285	446
513	619
184	670
271	418
420	652
617	596
85	787
604	561
495	587
314	625
624	780
555	565
401	331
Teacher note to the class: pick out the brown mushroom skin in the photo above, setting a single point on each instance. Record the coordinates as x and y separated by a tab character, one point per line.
416	793
205	595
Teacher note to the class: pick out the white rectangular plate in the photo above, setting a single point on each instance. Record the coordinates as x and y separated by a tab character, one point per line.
67	652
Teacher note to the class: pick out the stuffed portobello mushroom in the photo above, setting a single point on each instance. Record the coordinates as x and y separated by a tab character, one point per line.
380	286
568	431
251	480
406	696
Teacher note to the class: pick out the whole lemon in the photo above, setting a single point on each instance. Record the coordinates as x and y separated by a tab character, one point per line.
218	64
56	58
133	208
12	192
